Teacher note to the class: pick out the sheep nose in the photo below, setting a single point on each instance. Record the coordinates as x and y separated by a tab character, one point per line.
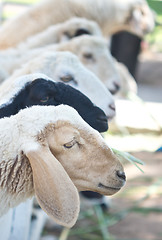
121	175
102	117
112	106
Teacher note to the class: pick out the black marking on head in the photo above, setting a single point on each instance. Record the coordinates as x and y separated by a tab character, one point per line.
81	31
78	32
46	92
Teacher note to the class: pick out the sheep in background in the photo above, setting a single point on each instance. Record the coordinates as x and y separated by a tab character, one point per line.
91	50
112	16
51	152
61	32
65	67
41	90
128	83
94	54
9	61
3	74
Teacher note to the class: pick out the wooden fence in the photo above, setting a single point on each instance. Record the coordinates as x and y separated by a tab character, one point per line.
22	223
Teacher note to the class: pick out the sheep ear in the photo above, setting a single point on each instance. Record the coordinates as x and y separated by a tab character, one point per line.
81	31
65	37
135	19
55	192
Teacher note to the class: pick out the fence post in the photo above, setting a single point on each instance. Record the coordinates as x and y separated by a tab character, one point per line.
21	221
6	225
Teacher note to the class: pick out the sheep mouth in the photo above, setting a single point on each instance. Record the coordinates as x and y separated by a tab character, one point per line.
102	120
114	91
110	118
100	185
102	124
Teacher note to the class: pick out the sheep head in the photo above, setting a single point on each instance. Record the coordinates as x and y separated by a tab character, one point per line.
141	19
86	158
94	55
76	26
71	157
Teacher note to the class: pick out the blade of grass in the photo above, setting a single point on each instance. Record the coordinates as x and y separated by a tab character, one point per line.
128	157
151	190
64	234
146	210
81	230
102	223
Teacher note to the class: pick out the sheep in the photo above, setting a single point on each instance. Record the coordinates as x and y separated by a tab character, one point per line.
61	32
3	74
8	62
44	91
91	50
128	83
112	16
65	67
55	155
94	54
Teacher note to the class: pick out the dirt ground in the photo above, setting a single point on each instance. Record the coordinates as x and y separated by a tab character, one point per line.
144	193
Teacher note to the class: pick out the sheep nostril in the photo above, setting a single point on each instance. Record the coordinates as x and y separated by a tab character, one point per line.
103	118
112	106
117	87
121	175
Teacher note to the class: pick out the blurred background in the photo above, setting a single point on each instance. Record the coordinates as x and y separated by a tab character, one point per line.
135	213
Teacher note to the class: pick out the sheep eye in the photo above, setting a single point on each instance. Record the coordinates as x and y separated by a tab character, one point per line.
142	12
67	78
88	55
69	144
44	99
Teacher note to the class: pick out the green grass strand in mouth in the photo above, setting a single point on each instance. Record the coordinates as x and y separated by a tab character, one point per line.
128	157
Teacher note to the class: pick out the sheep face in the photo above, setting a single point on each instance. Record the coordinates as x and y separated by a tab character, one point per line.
141	19
100	62
66	67
94	54
86	158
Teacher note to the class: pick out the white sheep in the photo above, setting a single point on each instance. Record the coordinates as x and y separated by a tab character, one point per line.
91	50
127	84
52	153
112	16
65	67
61	32
9	61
